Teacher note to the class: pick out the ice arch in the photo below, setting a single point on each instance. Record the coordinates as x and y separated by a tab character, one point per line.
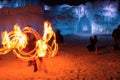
84	26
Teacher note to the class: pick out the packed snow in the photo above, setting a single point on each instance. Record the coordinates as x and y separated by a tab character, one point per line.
72	62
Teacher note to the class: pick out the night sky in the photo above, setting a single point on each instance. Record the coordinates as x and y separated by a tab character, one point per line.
70	2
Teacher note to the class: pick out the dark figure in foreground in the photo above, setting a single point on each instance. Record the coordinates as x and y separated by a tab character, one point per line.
59	37
116	38
34	63
93	41
30	46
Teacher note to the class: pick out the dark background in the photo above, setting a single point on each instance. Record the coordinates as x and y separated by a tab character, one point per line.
70	2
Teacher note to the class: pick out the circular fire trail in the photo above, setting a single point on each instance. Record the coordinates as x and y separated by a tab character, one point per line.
16	41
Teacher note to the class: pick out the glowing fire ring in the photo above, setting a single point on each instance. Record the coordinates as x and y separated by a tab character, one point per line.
16	41
27	55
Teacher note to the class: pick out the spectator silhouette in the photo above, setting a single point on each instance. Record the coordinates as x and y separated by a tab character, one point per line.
116	38
93	40
59	37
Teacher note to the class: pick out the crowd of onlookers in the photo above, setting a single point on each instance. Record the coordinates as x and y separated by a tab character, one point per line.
115	36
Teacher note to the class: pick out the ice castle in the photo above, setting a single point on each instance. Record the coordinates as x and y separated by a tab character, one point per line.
100	17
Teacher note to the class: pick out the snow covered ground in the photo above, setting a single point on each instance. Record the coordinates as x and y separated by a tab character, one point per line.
73	62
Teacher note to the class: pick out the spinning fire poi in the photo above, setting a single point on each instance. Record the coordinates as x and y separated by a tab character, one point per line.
16	41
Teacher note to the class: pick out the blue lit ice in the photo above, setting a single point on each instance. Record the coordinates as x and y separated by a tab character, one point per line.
100	17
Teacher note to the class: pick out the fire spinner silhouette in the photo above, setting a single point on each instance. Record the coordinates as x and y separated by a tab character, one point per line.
16	41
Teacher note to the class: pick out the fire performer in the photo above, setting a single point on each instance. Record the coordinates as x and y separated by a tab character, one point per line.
30	46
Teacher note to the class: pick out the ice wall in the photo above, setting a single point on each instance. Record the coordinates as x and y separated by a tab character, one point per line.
29	15
100	17
106	17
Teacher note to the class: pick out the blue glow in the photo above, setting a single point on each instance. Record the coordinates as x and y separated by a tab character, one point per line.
19	3
90	18
84	26
110	11
1	6
79	11
85	19
46	7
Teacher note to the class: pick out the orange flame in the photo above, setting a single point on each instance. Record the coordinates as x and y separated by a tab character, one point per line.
13	39
16	41
44	47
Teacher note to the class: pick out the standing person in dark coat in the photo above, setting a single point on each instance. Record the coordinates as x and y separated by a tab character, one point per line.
59	37
116	38
93	41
